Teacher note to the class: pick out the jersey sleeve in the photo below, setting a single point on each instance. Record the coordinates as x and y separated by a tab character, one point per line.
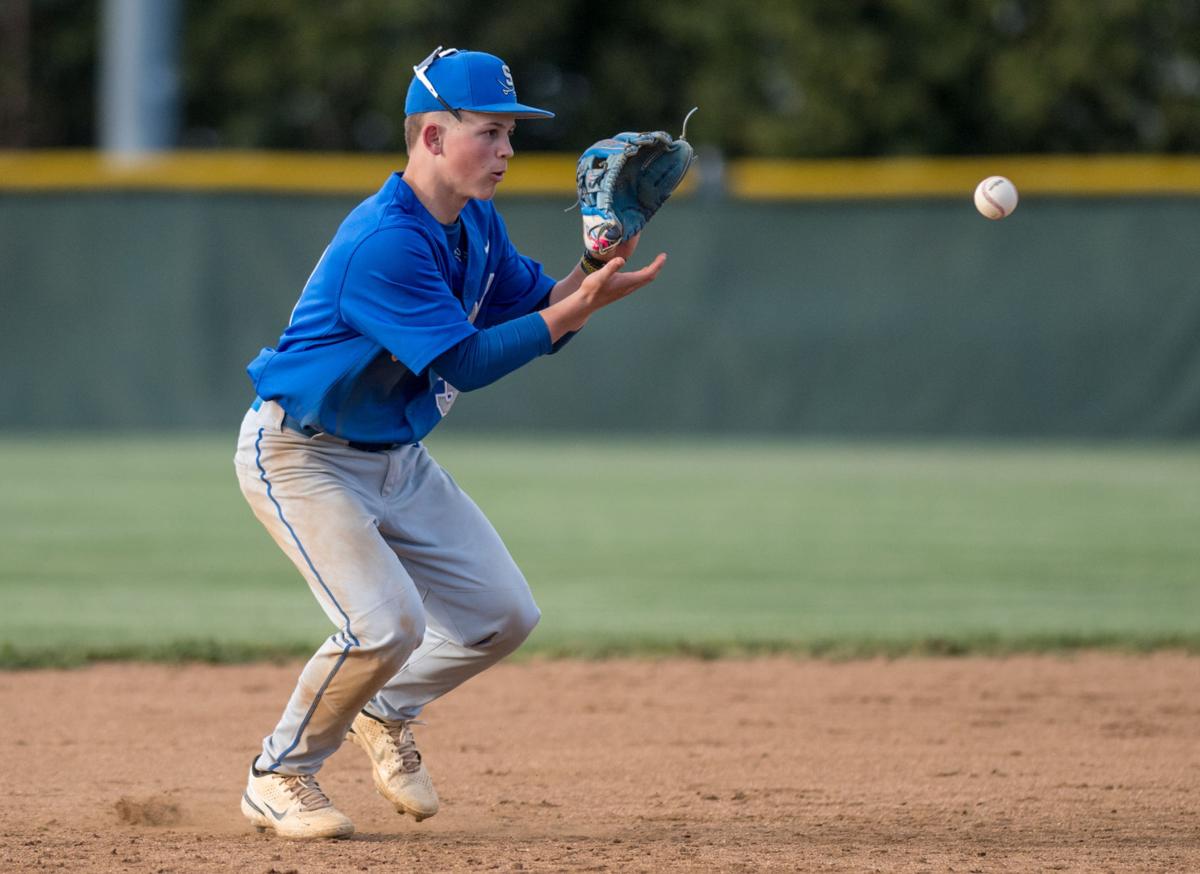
520	283
494	352
394	293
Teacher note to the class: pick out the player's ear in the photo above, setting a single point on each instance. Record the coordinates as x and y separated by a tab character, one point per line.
433	137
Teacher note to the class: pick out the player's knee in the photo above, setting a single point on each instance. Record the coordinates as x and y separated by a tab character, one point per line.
512	625
407	634
392	635
523	620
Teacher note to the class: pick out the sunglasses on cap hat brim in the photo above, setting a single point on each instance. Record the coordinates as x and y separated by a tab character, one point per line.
419	71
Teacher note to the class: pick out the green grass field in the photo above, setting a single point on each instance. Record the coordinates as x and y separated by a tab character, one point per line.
142	547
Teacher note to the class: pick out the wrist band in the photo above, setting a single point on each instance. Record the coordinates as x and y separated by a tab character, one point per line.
589	263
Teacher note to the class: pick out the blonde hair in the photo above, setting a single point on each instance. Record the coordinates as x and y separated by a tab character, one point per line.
412	130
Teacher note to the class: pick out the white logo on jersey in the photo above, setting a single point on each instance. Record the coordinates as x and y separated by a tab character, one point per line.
445	397
446	394
507	85
307	283
479	303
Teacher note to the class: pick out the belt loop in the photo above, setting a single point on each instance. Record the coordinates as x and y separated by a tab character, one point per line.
276	412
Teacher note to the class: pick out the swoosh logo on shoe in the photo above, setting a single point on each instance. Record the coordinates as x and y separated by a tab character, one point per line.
278	816
246	796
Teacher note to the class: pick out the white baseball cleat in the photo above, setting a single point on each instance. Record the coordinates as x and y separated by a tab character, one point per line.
396	765
293	805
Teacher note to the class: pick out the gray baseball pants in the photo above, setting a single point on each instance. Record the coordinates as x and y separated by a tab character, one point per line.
422	590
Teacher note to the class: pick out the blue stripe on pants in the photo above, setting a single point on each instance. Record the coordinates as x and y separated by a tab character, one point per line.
352	641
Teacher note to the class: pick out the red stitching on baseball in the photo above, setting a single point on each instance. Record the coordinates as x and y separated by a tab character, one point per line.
988	198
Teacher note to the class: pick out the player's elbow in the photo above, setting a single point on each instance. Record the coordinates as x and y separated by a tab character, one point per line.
460	366
462	379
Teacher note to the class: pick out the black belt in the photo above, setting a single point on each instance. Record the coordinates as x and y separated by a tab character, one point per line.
293	424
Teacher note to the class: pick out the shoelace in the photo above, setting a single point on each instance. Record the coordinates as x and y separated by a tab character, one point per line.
304	789
406	745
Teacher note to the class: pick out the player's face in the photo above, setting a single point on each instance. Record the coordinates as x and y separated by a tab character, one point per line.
478	150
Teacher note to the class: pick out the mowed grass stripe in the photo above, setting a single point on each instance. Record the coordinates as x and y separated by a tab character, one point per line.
141	547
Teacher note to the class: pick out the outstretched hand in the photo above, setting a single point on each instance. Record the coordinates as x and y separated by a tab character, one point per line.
608	285
574	300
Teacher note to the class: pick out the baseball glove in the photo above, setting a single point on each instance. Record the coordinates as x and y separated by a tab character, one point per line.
624	180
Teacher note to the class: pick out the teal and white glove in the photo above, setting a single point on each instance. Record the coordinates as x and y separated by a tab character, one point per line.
622	182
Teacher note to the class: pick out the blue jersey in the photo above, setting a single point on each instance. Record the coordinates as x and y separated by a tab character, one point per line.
382	303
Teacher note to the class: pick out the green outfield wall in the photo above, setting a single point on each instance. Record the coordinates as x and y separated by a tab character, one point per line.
904	315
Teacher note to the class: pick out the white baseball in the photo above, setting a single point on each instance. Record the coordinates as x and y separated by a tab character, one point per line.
995	197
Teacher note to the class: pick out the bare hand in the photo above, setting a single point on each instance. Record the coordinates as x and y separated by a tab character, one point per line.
570	309
607	285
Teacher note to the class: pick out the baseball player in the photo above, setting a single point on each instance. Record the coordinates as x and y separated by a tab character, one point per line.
419	296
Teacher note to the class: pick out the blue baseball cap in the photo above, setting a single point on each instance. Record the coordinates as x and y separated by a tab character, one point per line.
451	80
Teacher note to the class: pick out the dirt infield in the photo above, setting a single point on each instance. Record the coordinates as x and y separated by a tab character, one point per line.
1082	763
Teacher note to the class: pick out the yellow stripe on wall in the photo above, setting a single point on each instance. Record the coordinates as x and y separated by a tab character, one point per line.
946	177
554	174
236	171
284	172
